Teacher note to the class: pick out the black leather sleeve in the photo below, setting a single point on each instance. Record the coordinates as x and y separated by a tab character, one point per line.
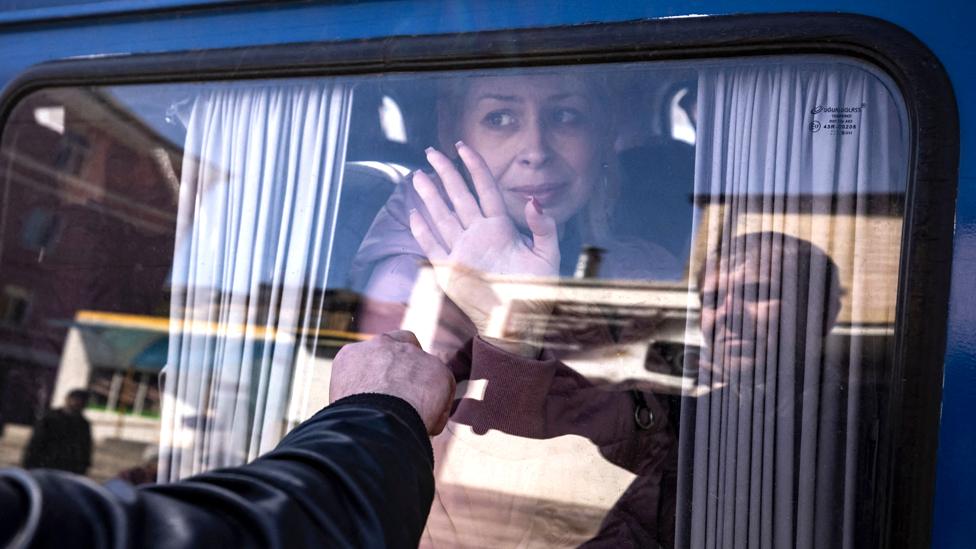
357	474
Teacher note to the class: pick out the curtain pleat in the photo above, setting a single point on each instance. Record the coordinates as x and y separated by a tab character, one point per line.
769	452
261	161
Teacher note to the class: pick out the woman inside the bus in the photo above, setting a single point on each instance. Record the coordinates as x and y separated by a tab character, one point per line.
524	178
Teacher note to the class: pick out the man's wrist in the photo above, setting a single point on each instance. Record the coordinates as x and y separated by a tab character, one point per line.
395	405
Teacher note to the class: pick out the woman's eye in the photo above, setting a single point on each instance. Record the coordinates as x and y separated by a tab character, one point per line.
570	117
499	119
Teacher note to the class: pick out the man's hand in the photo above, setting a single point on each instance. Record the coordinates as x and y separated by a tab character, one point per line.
394	364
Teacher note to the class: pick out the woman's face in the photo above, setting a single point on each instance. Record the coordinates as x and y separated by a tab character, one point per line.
539	137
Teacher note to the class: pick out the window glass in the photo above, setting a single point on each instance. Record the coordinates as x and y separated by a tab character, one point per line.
666	290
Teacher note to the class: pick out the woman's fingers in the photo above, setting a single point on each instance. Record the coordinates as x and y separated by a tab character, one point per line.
445	222
424	236
484	182
465	205
545	237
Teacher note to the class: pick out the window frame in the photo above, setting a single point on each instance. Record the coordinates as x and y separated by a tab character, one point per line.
907	451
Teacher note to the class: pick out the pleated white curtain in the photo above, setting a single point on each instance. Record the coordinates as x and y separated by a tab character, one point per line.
252	242
799	170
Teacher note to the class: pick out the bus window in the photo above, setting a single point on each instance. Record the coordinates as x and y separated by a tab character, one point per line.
666	289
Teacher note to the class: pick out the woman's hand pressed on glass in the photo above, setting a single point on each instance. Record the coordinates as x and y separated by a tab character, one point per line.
478	237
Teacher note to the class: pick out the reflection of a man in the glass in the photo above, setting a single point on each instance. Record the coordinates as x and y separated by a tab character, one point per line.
734	310
755	289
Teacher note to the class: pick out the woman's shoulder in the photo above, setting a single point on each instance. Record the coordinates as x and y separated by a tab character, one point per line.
632	258
389	234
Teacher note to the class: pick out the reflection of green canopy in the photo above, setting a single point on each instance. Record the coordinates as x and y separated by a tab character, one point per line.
123	341
153	357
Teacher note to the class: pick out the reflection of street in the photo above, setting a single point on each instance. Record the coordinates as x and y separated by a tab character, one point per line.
117	357
499	490
111	454
81	233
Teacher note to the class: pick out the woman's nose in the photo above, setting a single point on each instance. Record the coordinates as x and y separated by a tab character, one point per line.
535	150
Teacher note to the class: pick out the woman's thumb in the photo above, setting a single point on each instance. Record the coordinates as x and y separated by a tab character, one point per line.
545	237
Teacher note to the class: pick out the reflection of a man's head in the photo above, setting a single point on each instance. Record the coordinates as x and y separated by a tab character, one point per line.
758	286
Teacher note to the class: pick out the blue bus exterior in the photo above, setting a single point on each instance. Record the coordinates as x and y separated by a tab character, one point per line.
62	30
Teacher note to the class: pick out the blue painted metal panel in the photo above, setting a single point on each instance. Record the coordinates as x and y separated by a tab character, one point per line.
12	11
200	27
174	25
955	515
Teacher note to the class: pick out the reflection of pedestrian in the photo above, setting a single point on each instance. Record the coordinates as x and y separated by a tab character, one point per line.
357	474
62	438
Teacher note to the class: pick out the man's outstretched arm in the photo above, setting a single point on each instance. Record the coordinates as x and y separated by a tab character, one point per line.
359	473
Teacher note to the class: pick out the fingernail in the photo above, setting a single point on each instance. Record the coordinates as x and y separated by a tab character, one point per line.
535	204
412	212
429	150
459	144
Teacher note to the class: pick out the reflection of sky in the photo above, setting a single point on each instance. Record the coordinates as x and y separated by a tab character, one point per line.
155	105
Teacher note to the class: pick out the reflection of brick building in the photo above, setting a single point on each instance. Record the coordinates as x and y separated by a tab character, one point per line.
87	223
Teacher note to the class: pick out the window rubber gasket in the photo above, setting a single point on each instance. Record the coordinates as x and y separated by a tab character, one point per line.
908	444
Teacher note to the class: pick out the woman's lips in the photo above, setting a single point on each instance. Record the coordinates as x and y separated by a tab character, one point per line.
546	194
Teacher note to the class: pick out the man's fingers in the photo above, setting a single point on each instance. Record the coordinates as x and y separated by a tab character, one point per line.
431	385
403	336
438	426
447	401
